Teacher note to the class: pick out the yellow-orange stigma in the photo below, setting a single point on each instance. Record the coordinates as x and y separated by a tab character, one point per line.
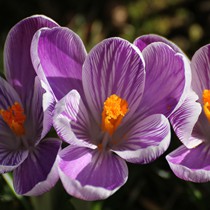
14	117
115	109
206	103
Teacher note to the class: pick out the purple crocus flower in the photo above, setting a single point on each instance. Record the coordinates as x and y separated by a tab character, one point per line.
184	161
26	115
192	161
113	111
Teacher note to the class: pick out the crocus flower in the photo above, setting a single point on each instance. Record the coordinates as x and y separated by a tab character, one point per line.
26	115
113	110
189	162
183	119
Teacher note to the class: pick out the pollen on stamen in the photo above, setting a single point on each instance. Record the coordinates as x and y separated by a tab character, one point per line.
100	147
15	118
206	103
114	110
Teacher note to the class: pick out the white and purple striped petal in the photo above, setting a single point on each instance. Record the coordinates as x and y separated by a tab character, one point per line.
143	41
38	173
90	174
144	140
165	80
191	164
114	66
72	121
39	111
183	121
10	158
8	95
200	66
19	70
58	55
48	105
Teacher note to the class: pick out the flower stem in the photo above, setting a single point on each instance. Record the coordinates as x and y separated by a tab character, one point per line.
8	179
42	202
80	204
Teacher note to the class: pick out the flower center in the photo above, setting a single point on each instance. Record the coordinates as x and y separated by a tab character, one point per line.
14	117
206	103
115	108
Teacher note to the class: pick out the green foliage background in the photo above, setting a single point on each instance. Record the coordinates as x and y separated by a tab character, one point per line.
186	22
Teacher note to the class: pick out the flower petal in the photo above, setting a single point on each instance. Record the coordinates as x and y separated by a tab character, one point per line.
72	121
19	70
38	173
114	66
89	174
184	119
8	95
200	66
145	140
48	105
143	41
39	110
34	114
10	158
58	55
166	80
12	153
191	164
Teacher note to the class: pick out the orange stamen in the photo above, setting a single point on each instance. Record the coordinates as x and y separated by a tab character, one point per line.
14	117
115	108
206	103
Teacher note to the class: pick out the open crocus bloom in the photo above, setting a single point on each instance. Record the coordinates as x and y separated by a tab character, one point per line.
114	111
25	115
193	163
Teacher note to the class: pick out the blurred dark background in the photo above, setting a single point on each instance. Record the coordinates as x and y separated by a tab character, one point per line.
185	22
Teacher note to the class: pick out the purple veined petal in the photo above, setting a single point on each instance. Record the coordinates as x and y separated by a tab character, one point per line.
200	66
143	41
114	66
11	155
11	152
184	119
48	105
19	70
145	140
188	79
58	55
165	80
89	174
201	130
72	121
42	107
191	164
34	126
8	95
38	173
